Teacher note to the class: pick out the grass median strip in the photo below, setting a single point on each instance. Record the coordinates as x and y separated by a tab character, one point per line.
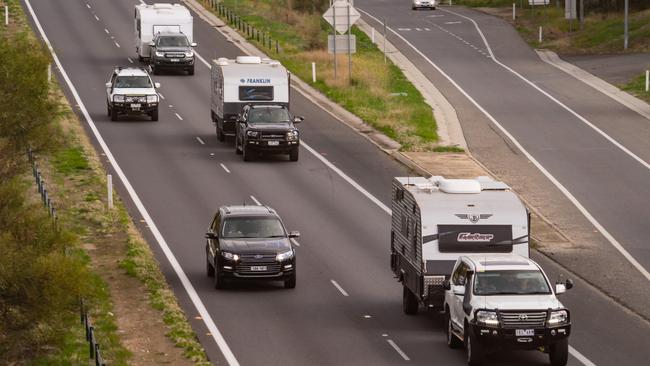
377	92
636	87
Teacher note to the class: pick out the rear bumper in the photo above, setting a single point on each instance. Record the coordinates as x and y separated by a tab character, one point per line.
502	338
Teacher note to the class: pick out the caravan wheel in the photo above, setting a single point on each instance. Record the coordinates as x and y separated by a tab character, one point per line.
410	302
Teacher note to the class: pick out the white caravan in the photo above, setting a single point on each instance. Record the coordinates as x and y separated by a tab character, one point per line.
160	18
245	80
436	220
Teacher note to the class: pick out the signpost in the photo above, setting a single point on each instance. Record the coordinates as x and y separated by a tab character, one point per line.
341	15
570	12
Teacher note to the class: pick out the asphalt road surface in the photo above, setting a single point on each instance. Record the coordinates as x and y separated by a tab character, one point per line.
346	309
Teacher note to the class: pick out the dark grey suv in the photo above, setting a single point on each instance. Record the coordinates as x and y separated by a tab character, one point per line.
172	51
249	242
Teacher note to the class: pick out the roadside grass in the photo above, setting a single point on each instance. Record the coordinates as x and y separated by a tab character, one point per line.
377	92
636	87
602	32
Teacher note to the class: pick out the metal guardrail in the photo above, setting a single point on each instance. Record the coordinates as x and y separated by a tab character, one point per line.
94	352
245	28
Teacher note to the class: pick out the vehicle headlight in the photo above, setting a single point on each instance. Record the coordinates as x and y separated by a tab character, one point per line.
152	98
284	256
160	54
228	255
292	135
118	98
559	317
252	133
487	318
189	54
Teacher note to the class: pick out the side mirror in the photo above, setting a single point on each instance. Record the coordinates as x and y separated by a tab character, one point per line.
156	85
294	234
151	44
560	288
446	285
108	85
211	235
193	44
298	119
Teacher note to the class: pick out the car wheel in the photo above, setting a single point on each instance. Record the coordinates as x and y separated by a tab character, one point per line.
247	153
452	340
108	109
113	114
291	281
409	302
140	58
209	269
237	150
154	69
558	353
293	154
220	135
218	280
190	71
154	115
474	349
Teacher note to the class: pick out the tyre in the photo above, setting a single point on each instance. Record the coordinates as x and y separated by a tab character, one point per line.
220	135
293	154
218	280
291	281
140	58
474	349
154	115
108	109
247	153
209	269
452	340
237	151
190	71
154	70
409	302
558	353
113	114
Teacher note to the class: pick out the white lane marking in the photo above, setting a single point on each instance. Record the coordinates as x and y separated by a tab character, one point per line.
559	185
88	6
539	166
564	106
200	141
178	116
202	59
106	30
580	357
117	44
453	22
403	29
224	168
295	242
129	58
161	96
96	18
338	287
256	201
187	285
398	350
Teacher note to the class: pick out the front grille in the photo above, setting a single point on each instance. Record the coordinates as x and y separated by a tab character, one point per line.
273	136
519	319
246	261
174	55
135	99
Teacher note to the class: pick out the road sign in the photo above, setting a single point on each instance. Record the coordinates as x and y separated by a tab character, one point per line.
343	20
570	9
341	44
538	2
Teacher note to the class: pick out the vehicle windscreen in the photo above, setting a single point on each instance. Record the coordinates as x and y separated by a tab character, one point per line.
173	41
132	82
262	115
510	282
252	227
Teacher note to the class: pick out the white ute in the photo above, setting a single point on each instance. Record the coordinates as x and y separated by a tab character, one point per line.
505	301
131	91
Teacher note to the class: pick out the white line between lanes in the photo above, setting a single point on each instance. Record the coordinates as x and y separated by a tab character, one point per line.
187	285
106	30
117	44
537	164
96	18
200	141
178	116
224	168
256	201
338	287
161	96
88	6
399	350
129	58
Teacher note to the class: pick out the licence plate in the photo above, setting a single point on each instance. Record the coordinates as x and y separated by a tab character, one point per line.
524	332
174	60
274	143
135	105
258	268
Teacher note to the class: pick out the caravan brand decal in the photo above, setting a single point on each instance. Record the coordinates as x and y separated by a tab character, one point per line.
473	218
474	237
255	81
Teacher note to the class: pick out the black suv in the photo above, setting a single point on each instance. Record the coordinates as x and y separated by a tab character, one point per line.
250	242
171	51
266	128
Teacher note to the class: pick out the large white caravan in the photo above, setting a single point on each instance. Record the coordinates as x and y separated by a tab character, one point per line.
436	220
245	80
160	18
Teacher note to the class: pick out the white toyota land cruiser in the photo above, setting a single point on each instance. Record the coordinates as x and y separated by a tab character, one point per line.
131	91
499	301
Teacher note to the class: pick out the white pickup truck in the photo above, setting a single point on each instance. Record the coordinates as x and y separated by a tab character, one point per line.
505	301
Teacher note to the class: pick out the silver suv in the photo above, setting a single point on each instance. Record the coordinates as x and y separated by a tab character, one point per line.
131	91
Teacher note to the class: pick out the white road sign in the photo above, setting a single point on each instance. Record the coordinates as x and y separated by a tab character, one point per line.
346	16
538	2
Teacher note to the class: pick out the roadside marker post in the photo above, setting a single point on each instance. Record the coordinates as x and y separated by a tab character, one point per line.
647	81
109	189
49	72
514	11
313	72
540	34
7	15
372	35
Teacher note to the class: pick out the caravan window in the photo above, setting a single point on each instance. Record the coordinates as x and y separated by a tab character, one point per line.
255	93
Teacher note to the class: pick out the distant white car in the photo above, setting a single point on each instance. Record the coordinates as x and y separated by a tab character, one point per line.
425	4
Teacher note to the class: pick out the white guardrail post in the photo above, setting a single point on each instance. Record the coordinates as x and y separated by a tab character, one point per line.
313	72
6	14
109	190
647	81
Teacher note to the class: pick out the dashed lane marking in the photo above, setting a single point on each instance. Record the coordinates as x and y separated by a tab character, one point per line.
225	168
256	201
338	287
178	116
398	350
200	141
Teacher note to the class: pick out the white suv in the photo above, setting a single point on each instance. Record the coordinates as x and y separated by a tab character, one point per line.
424	4
499	301
131	91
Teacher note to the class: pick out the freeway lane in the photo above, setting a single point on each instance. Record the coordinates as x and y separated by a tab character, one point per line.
344	234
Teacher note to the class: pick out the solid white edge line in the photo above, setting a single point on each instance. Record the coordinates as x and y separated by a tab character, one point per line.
256	201
565	107
199	140
178	116
539	166
224	168
295	242
187	285
399	350
580	357
338	287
